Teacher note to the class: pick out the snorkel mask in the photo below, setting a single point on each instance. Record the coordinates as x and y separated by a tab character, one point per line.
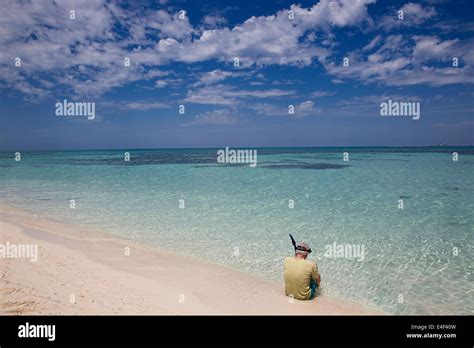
299	247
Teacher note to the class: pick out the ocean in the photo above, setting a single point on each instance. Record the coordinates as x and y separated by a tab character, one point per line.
408	210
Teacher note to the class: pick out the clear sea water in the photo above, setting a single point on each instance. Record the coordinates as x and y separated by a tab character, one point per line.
423	252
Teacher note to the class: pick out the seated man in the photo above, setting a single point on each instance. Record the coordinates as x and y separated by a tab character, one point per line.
301	276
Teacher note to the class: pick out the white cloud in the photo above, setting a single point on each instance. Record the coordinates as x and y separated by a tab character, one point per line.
320	94
211	95
168	82
374	42
400	61
139	106
301	110
169	25
157	73
161	83
306	106
417	13
413	15
228	95
220	117
432	47
214	20
217	75
267	93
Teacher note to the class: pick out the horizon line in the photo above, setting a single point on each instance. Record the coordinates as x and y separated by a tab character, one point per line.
239	147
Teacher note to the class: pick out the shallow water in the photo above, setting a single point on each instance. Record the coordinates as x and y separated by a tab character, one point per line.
417	260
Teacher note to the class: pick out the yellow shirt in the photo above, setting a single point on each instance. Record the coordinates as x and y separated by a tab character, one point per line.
297	274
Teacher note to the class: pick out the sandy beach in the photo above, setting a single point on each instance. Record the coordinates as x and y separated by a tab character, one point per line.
84	272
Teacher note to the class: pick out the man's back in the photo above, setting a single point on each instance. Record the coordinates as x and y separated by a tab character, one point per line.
298	274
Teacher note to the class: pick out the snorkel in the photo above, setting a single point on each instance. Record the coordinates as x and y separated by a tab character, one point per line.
299	247
293	242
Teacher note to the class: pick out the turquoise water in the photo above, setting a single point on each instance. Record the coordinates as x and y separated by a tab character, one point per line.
409	252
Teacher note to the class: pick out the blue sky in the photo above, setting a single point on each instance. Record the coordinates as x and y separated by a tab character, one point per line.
183	53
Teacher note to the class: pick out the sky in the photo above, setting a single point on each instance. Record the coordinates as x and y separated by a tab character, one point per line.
181	74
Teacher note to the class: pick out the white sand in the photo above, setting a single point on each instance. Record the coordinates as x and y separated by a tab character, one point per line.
93	268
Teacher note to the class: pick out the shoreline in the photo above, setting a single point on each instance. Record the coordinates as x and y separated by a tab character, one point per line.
83	272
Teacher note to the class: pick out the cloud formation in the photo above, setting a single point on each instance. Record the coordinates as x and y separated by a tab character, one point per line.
87	54
219	117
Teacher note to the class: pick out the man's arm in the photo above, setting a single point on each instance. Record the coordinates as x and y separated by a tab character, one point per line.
315	274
